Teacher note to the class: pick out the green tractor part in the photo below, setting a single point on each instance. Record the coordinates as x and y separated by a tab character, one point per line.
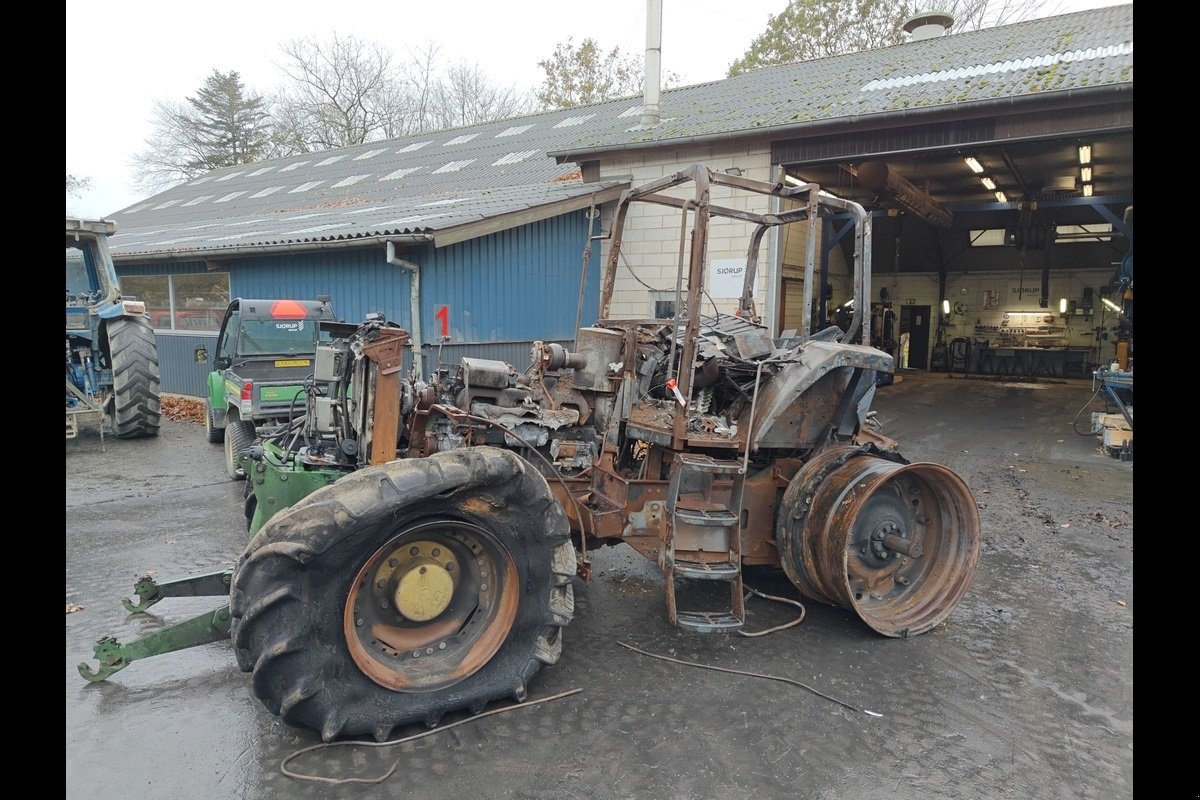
150	591
211	626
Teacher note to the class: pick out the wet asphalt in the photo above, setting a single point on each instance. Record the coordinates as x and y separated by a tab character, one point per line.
1024	693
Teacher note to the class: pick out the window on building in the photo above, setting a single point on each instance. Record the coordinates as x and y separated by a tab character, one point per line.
186	302
989	237
1064	234
1095	232
662	304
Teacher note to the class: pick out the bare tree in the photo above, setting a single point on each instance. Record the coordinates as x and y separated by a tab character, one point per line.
342	92
220	126
465	96
808	29
77	185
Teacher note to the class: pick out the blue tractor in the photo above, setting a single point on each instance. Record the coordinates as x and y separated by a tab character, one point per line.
112	358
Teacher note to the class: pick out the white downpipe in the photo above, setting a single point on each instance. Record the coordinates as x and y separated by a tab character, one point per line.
414	297
653	78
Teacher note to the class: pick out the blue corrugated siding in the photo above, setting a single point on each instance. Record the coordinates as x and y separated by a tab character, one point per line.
359	281
507	288
520	284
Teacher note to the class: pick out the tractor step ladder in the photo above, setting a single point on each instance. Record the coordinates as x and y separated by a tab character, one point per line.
703	540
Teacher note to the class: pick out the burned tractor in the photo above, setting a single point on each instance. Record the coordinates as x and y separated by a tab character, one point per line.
415	543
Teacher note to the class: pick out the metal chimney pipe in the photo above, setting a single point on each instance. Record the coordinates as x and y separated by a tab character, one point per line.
928	25
653	78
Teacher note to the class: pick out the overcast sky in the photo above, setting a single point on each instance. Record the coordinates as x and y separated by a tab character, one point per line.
123	56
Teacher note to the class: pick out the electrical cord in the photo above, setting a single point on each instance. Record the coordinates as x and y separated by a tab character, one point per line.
804	686
1075	421
283	766
784	626
629	267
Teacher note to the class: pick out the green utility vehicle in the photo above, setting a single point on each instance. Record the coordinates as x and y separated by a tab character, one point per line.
264	356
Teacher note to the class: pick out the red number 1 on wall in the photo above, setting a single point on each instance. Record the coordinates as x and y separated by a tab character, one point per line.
444	315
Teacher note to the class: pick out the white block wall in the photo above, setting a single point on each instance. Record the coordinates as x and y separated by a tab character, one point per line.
651	236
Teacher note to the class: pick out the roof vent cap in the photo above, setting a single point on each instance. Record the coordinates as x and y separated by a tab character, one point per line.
928	25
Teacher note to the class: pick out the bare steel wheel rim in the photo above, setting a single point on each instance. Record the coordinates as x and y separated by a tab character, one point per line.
911	546
432	606
897	543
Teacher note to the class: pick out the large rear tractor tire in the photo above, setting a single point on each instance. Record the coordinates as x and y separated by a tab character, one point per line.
239	435
405	591
896	543
212	433
135	407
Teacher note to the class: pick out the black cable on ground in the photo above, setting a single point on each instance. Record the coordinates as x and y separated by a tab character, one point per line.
1075	421
753	675
784	626
283	766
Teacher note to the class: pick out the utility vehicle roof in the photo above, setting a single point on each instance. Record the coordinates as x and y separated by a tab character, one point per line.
269	309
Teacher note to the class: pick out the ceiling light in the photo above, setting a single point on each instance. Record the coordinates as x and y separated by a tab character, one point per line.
988	183
975	166
1085	154
1001	197
1111	304
1062	305
1085	174
1087	190
945	306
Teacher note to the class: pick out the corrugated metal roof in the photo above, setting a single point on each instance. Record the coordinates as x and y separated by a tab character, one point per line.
1044	57
434	181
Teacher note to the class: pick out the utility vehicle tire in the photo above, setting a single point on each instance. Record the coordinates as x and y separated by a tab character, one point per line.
405	591
214	434
239	435
135	407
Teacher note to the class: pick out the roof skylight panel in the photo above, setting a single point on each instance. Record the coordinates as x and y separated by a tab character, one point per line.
454	166
399	173
515	130
515	158
572	121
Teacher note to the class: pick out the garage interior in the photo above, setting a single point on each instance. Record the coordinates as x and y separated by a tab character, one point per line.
1029	238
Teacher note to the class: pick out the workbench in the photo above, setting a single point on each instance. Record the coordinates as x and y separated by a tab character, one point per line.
1048	362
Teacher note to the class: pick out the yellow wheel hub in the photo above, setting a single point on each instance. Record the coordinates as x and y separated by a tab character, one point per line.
424	592
418	579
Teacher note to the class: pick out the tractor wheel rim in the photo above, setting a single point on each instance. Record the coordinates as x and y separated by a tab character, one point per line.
432	606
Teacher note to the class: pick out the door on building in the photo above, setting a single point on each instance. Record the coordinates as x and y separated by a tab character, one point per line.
914	327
